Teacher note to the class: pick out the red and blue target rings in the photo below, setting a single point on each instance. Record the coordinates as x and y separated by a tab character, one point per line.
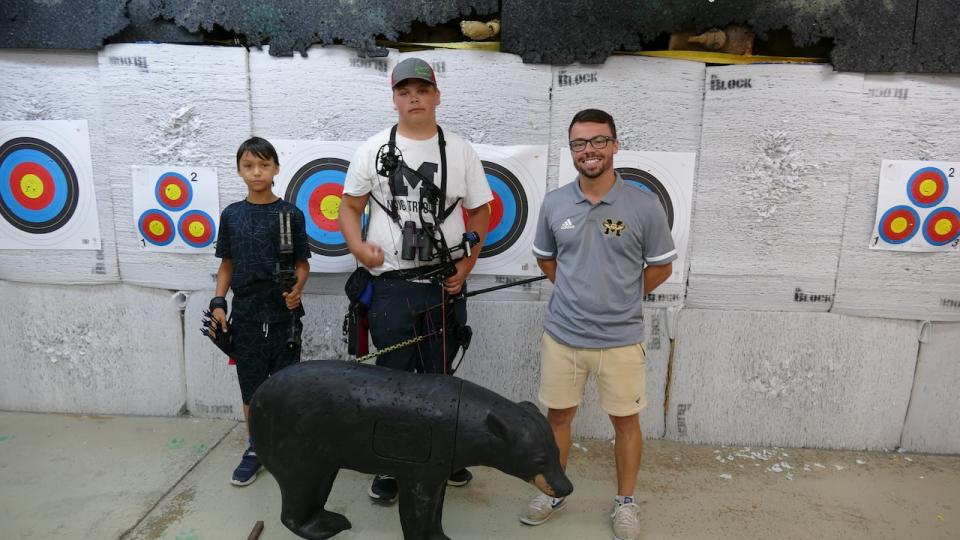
156	227
197	229
173	191
927	187
39	190
898	224
942	226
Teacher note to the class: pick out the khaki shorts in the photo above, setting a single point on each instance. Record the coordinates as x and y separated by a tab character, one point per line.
619	372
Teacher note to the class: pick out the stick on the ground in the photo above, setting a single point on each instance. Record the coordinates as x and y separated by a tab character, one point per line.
255	533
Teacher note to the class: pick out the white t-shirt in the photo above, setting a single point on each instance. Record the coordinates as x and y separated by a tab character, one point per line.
465	179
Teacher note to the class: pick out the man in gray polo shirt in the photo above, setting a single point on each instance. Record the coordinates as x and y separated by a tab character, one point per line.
605	245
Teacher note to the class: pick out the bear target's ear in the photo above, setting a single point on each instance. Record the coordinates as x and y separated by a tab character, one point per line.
530	407
497	425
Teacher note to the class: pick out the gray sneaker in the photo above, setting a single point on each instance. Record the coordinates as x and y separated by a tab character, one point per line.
541	507
626	521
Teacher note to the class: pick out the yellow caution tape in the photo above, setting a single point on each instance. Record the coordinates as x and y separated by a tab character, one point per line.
470	45
695	56
725	58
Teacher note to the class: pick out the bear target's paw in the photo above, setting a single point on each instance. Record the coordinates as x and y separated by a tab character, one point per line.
324	525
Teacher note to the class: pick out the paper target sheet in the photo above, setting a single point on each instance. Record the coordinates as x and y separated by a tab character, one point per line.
918	206
47	198
176	209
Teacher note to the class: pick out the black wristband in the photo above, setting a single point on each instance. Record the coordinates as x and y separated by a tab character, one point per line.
218	302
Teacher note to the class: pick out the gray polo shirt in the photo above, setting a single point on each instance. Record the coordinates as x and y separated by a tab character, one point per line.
600	249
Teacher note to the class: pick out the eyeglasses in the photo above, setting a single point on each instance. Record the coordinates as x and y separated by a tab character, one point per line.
598	143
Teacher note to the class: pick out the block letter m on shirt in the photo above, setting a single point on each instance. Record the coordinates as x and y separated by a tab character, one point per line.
397	186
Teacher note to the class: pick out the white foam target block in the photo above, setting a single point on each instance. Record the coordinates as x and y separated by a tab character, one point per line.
212	387
903	118
171	105
776	155
790	379
933	419
59	85
331	95
211	383
110	349
655	102
593	422
489	97
505	357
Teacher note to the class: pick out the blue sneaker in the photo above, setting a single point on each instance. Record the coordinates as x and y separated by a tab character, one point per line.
383	489
248	469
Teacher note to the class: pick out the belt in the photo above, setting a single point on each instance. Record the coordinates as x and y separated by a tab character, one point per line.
409	274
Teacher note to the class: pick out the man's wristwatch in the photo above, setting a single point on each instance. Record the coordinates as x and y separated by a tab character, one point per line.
218	302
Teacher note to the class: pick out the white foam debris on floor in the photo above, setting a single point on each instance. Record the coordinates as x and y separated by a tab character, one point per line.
775	460
726	476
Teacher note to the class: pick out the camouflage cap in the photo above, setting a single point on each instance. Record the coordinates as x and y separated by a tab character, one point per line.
412	68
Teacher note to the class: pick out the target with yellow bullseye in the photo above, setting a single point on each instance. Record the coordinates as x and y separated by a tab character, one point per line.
156	227
927	187
316	189
39	191
899	224
174	191
197	228
942	226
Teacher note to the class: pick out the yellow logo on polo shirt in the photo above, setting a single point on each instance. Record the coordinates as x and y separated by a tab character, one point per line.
610	226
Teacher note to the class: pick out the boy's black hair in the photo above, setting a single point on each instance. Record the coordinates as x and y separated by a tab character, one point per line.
595	116
259	147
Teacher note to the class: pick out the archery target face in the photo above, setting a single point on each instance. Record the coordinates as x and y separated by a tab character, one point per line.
516	176
917	206
176	209
197	228
312	174
174	192
899	224
942	226
47	198
156	227
668	176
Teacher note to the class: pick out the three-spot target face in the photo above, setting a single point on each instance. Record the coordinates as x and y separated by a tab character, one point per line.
508	210
174	191
942	226
927	187
197	229
898	224
317	189
156	227
39	190
648	182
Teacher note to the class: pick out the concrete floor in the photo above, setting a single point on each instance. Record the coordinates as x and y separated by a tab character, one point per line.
98	477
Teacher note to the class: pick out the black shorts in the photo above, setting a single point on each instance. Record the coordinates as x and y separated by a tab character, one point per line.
260	350
394	317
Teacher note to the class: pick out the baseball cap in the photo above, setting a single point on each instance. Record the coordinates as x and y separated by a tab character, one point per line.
412	68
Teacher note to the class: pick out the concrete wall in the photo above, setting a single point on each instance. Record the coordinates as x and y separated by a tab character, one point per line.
784	199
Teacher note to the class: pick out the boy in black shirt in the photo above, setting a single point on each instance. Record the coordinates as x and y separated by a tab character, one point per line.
248	246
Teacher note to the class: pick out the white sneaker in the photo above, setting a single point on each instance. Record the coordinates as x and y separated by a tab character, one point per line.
541	507
626	521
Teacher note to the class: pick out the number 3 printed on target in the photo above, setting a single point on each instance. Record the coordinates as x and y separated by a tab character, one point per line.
176	209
